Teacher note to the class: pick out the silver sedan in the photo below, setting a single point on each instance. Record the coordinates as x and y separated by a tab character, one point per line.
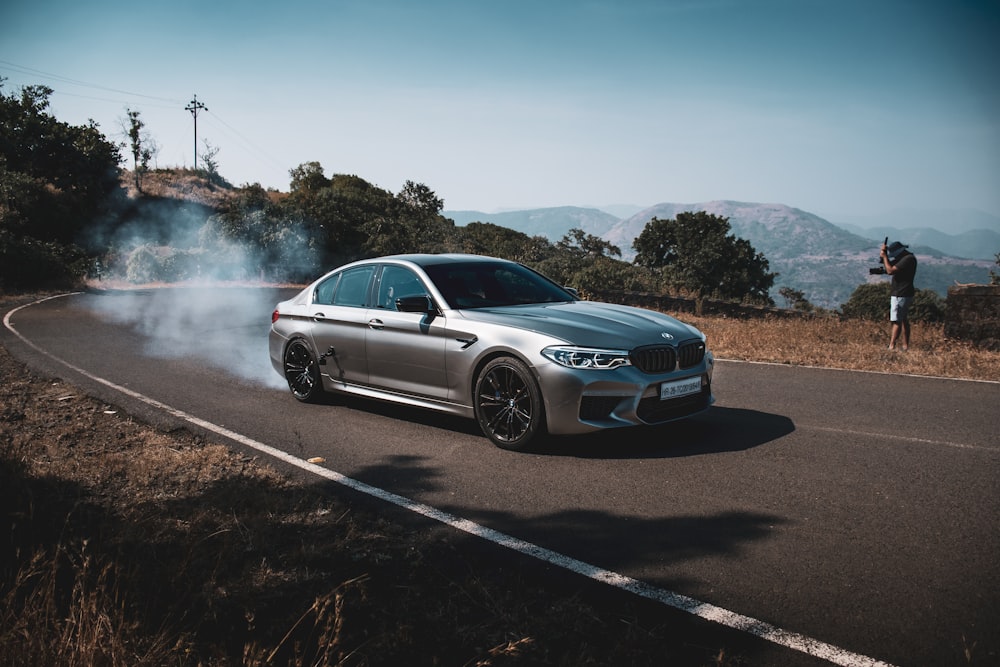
491	340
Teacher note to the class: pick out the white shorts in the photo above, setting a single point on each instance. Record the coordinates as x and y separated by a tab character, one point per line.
899	308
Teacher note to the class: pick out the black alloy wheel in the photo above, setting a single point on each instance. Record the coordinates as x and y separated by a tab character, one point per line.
302	372
508	404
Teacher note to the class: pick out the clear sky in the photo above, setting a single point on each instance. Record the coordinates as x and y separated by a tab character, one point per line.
846	107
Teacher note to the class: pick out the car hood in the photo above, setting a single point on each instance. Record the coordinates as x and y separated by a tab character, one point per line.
589	323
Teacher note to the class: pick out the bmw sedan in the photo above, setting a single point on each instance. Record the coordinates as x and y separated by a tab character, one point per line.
488	339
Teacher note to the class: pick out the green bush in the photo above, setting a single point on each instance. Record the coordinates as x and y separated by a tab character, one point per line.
26	262
870	301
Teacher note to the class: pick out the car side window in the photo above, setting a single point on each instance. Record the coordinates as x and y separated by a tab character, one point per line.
324	291
396	282
352	290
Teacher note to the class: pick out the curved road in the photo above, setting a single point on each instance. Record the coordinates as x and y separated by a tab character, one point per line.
861	510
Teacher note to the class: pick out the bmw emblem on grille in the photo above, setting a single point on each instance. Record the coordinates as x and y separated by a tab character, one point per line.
667	336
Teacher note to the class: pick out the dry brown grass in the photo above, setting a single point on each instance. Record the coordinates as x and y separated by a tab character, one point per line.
180	184
849	344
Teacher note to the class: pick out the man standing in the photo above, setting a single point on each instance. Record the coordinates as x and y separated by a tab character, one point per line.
902	266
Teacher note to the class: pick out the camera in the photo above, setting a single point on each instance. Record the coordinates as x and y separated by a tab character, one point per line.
880	269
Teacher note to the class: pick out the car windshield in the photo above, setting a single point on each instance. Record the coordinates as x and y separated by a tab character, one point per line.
492	284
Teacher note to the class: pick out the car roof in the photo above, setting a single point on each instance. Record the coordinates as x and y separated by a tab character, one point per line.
445	258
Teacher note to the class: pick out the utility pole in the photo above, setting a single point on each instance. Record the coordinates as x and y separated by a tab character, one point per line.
194	106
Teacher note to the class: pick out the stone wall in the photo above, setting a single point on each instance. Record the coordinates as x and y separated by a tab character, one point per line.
973	314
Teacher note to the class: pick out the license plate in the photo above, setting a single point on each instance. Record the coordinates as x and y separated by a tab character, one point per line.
680	388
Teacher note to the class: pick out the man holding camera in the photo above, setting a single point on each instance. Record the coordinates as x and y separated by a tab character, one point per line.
902	266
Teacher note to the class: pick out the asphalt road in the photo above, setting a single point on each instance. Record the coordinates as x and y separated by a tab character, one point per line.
858	509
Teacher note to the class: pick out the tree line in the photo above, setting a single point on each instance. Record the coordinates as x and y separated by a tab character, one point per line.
64	216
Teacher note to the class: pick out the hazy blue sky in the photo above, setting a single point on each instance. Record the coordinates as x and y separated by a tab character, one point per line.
836	107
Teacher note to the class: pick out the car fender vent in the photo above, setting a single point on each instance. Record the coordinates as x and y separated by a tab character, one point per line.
654	359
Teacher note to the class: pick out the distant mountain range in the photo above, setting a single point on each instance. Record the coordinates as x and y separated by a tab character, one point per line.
823	260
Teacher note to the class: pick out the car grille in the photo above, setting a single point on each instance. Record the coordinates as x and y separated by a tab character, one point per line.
691	354
654	411
658	359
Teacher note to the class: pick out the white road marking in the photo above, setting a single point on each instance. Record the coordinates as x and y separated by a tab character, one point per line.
853	370
892	436
703	610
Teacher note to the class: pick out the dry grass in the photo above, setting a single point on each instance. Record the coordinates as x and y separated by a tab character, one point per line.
849	344
180	184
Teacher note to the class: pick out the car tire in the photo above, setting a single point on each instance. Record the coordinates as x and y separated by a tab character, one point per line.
302	372
508	404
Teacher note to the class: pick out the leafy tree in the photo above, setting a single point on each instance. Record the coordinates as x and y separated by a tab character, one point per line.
141	145
994	276
695	252
56	179
211	164
308	178
796	299
412	223
420	197
486	238
579	243
340	211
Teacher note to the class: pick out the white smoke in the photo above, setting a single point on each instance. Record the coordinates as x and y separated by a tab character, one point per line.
225	327
190	292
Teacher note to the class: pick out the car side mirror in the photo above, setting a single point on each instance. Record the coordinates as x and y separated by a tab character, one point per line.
415	304
572	290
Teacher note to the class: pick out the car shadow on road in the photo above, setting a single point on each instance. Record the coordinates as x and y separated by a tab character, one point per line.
715	431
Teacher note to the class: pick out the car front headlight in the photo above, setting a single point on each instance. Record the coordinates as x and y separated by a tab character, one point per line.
587	357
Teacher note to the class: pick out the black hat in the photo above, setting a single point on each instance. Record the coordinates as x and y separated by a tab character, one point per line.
895	251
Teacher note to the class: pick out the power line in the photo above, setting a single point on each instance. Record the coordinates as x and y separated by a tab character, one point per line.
194	106
20	69
246	141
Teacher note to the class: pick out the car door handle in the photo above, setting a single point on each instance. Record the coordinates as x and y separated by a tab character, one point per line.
375	324
318	316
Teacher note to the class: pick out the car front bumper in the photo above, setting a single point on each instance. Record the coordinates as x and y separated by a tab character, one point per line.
582	401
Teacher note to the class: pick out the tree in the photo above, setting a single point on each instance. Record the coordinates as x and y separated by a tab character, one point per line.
994	276
350	217
581	244
142	146
411	223
420	197
56	179
211	164
695	252
487	238
307	178
795	299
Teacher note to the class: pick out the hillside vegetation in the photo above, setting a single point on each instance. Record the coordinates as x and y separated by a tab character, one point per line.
73	213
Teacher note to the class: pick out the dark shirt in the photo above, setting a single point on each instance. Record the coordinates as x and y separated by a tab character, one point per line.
902	279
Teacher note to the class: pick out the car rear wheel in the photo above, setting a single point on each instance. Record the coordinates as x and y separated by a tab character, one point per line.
508	404
302	372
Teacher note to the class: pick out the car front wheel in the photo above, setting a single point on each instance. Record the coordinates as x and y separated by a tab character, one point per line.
302	372
508	404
